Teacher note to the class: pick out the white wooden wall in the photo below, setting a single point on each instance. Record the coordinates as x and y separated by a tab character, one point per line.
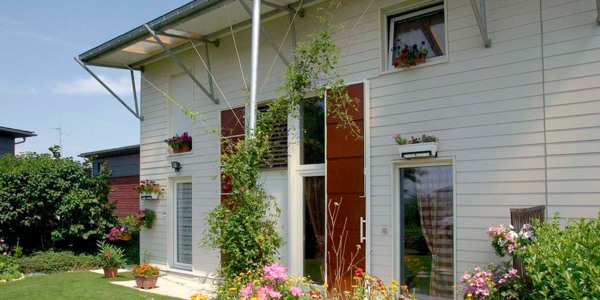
524	110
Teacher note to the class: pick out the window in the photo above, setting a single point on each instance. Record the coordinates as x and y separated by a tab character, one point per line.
424	27
427	230
312	124
183	225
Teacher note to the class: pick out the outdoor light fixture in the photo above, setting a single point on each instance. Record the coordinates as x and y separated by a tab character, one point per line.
176	165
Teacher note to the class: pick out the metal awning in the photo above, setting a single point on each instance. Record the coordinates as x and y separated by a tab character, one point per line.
198	22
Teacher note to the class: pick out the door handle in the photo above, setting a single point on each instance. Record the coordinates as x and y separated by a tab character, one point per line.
363	227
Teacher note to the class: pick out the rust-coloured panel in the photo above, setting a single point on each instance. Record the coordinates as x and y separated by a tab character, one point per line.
345	180
122	192
345	175
341	142
230	124
355	91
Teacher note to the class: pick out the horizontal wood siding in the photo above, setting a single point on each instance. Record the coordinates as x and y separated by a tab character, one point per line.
123	194
571	45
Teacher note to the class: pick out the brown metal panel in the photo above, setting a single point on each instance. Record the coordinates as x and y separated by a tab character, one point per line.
232	122
345	182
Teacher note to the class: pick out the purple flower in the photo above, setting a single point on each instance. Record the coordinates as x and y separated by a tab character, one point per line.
296	291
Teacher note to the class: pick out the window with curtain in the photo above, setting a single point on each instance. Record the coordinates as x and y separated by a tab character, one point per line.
427	222
424	27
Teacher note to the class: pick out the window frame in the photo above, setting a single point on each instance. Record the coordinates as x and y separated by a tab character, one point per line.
389	15
397	213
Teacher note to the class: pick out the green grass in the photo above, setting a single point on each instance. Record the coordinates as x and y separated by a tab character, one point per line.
72	285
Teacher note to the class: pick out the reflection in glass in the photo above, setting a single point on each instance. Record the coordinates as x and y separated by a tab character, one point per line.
314	227
312	136
427	231
428	28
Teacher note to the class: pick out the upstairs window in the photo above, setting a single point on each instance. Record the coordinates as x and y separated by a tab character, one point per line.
424	28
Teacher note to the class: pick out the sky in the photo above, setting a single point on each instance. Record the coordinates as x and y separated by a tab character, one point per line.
42	88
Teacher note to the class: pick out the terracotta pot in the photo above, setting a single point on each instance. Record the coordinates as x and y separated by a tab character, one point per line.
146	282
125	236
184	148
422	59
110	273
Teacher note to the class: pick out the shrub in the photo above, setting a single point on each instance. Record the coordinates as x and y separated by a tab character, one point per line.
61	261
565	264
9	264
51	202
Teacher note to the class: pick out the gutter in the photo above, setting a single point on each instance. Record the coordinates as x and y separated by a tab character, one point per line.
21	142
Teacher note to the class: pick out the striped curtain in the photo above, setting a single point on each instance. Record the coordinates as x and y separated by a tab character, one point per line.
434	198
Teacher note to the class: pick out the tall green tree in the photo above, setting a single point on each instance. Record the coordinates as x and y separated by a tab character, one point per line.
48	201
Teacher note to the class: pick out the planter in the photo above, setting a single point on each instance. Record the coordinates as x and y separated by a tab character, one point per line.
182	149
110	273
420	150
149	196
418	61
125	236
146	282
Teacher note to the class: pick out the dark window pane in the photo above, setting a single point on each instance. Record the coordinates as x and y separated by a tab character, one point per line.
312	116
314	227
428	28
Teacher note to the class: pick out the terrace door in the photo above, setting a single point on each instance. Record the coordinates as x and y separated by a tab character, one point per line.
345	186
183	225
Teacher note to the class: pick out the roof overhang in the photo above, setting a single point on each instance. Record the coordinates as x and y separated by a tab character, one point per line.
127	150
200	21
16	133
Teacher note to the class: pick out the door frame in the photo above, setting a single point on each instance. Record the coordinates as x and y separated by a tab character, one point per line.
395	185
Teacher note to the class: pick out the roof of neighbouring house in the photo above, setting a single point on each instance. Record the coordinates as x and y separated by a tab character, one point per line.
15	133
199	21
133	149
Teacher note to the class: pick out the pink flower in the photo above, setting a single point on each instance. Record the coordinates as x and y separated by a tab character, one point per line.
106	254
1	241
5	254
246	291
296	291
275	272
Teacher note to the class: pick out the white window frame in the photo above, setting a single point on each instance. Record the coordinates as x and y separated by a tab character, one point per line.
396	230
401	12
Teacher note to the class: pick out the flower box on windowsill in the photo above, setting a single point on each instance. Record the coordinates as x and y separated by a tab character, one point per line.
149	196
419	150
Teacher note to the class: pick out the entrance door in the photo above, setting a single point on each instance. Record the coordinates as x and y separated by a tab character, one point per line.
345	186
183	225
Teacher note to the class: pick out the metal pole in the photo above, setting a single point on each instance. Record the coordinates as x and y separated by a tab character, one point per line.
137	109
254	65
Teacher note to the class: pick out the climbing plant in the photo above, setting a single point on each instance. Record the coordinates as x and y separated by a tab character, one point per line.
244	226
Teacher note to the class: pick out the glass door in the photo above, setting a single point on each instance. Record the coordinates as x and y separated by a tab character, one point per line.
426	228
183	225
313	191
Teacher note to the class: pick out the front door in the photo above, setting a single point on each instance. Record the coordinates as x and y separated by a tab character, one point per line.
183	226
346	197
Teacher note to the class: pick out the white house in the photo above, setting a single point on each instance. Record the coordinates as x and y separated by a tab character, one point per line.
518	124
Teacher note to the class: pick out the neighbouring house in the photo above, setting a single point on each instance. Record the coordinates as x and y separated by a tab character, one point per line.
124	166
510	87
8	138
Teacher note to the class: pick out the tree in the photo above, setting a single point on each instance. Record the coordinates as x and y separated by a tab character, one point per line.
48	201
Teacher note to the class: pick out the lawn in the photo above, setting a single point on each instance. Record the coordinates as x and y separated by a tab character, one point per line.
72	285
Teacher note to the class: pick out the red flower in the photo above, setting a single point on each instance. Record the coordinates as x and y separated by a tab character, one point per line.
359	272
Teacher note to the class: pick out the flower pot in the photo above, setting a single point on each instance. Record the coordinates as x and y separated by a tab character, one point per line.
146	282
154	196
422	59
126	236
420	150
183	148
110	273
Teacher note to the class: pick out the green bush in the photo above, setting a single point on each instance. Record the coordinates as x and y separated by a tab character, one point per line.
565	264
52	262
51	202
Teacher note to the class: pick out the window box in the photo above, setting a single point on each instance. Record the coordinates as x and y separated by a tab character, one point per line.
420	150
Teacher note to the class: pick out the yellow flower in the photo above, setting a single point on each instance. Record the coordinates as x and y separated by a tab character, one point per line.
232	289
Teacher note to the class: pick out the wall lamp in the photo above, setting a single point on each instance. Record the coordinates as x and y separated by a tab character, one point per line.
176	165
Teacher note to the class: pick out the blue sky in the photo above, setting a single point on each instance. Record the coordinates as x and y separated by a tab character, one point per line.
42	87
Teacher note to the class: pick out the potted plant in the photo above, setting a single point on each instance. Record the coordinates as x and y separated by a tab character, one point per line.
147	217
406	57
112	258
424	146
149	189
127	225
180	143
145	276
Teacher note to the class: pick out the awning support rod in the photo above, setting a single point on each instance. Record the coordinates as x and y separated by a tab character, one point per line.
267	36
135	99
481	21
181	65
277	6
209	71
598	8
137	115
253	64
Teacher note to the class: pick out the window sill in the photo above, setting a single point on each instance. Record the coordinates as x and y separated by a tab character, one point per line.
431	62
182	154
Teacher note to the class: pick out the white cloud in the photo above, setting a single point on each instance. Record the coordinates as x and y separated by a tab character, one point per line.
89	86
17	89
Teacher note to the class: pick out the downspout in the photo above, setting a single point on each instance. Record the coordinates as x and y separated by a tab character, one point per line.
21	142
